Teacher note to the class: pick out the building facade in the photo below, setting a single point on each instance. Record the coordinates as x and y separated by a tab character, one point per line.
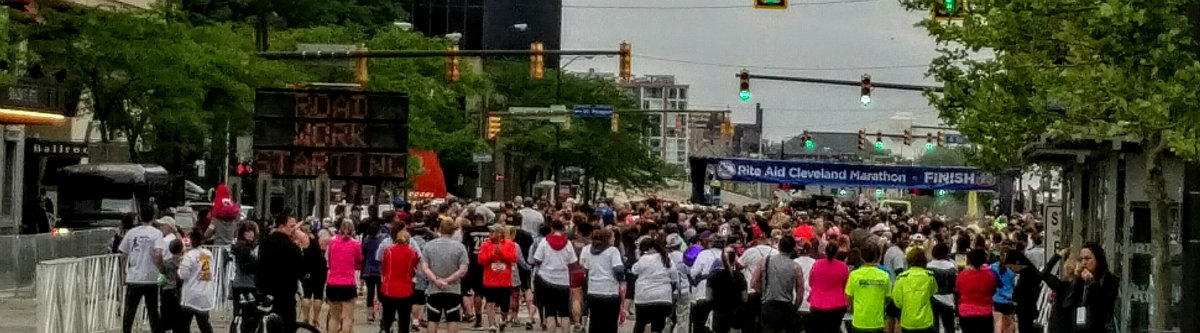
492	24
677	132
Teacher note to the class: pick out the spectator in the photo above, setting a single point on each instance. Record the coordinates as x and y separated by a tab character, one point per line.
141	261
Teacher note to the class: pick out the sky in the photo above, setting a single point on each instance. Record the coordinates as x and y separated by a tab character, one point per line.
704	43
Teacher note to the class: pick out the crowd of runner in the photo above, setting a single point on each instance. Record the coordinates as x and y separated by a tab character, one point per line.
666	267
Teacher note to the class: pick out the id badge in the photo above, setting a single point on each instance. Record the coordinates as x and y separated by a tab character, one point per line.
496	266
1081	316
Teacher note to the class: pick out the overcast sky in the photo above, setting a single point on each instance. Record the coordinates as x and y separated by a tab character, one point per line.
705	47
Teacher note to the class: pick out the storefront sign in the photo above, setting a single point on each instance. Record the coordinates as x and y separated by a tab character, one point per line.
72	149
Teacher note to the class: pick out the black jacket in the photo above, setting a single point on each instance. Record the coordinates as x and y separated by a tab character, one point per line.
1098	296
281	265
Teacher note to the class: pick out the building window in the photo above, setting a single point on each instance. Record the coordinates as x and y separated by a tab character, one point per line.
674	93
682	93
654	92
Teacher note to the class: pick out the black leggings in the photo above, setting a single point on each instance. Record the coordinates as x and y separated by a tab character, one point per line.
945	315
827	321
699	316
373	283
394	308
605	311
654	314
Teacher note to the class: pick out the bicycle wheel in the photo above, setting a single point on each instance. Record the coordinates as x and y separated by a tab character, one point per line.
303	327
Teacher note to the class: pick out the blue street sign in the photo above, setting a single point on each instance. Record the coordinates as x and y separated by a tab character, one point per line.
593	111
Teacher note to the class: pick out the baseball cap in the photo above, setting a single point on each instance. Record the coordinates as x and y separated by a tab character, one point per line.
879	227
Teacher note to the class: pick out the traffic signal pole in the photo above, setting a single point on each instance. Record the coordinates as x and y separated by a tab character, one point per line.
852	83
316	55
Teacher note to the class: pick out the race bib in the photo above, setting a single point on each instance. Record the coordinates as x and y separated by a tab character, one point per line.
497	266
1081	316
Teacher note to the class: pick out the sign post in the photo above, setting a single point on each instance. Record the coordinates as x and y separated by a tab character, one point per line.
1053	238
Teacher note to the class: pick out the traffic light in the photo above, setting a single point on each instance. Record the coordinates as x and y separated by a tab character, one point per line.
941	140
908	137
929	141
862	140
626	59
949	10
770	4
727	126
941	193
744	77
244	169
615	128
878	140
808	142
493	129
452	64
865	98
536	60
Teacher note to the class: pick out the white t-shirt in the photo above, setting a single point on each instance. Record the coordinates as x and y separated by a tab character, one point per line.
806	265
750	259
199	289
601	280
702	266
654	281
139	249
554	263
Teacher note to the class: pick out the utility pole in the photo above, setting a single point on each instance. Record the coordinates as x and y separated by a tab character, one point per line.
758	185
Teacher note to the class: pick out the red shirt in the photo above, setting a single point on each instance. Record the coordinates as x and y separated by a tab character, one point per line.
976	288
497	267
398	267
804	231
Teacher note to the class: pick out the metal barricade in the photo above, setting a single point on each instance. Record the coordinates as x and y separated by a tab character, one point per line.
20	255
79	294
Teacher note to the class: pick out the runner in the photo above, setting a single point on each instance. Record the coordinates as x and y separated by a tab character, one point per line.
605	274
761	249
828	296
498	256
398	267
1028	289
976	286
444	262
371	275
345	257
316	271
945	272
868	287
914	292
474	235
655	280
552	259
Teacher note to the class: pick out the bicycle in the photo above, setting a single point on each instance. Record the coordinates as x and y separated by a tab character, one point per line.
269	321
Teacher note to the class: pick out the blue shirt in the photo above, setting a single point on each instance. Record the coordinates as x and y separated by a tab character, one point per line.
1008	280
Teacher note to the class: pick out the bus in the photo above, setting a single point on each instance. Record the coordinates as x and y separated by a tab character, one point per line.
99	195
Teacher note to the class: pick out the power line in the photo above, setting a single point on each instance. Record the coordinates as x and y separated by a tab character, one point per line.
814	3
693	62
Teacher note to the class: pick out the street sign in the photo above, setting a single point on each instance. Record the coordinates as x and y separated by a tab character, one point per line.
481	157
593	111
1053	240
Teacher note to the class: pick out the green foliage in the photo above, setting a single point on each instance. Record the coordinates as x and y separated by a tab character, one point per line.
622	158
943	156
298	13
1116	67
159	84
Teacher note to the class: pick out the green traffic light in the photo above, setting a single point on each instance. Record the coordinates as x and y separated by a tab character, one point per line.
878	192
929	146
745	95
809	144
949	5
941	193
879	145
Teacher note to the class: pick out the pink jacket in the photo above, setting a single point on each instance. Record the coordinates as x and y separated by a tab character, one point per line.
345	257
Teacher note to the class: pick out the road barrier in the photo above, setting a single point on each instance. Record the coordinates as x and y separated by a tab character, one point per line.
21	254
87	295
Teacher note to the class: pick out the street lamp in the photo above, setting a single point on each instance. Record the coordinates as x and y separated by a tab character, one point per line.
520	26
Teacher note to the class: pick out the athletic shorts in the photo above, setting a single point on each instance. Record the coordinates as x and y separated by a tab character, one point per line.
472	284
501	296
1007	309
444	307
313	289
892	311
341	293
418	297
524	274
554	300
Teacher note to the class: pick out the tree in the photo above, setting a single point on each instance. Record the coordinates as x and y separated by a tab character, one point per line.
1115	69
944	156
622	158
298	13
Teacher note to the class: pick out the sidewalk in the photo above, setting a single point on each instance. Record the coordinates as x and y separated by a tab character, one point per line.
20	315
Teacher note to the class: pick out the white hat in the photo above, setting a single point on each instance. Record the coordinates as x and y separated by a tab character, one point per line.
167	220
879	227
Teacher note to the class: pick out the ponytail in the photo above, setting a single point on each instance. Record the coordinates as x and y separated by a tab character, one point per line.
831	251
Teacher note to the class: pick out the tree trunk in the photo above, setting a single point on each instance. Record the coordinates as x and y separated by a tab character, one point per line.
1160	231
